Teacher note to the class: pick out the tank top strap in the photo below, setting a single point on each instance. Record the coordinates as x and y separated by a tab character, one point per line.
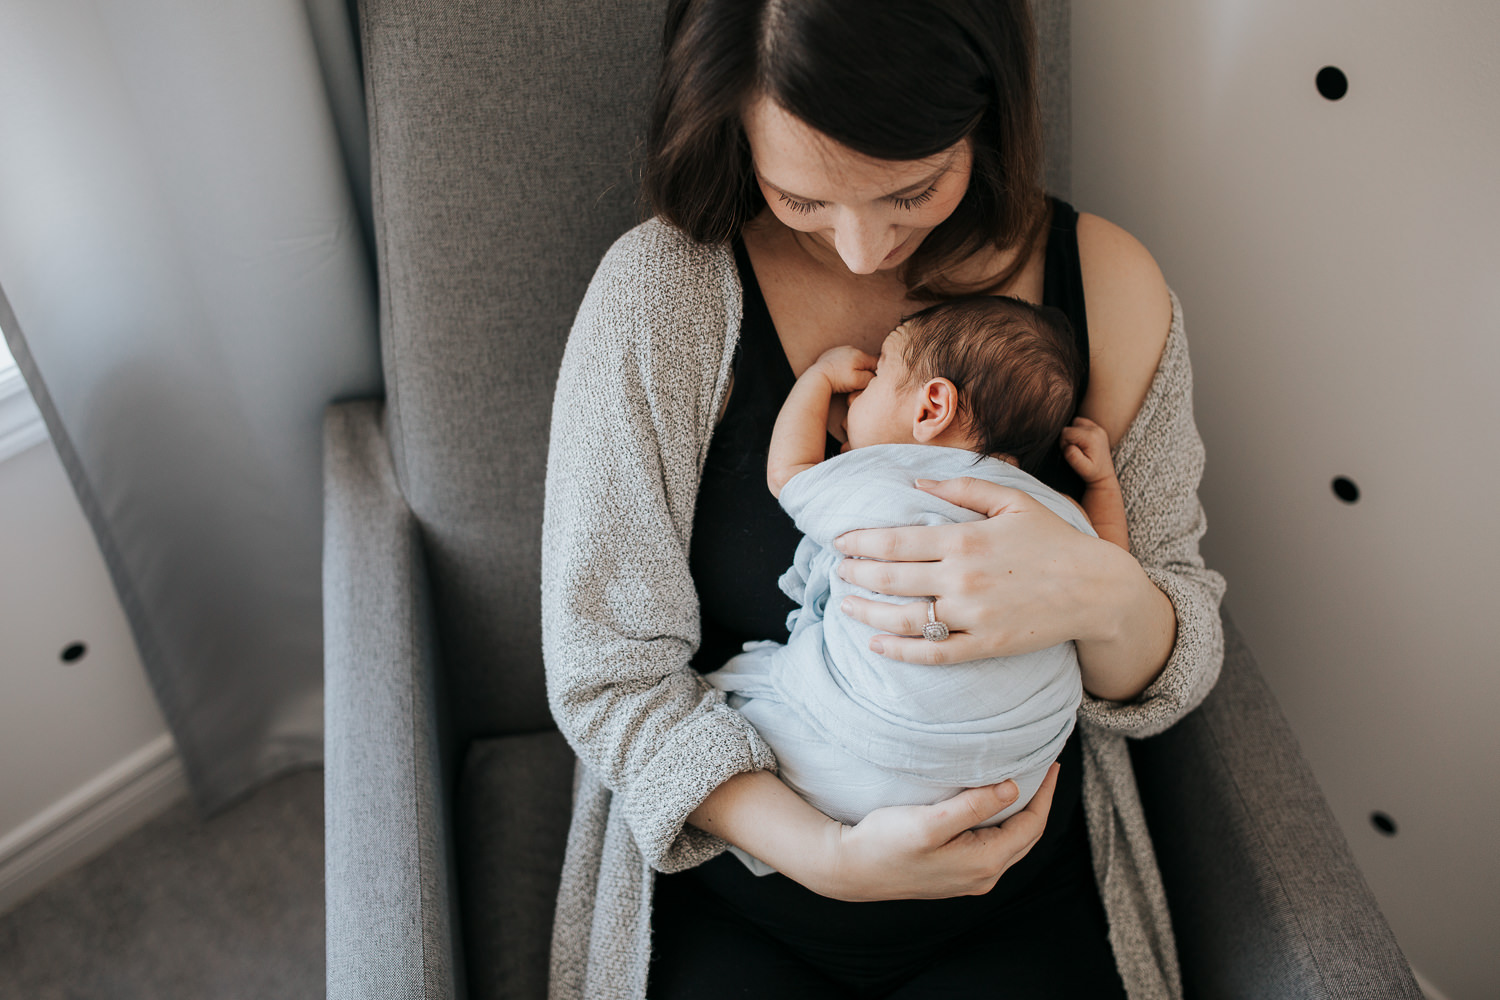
1062	288
1062	277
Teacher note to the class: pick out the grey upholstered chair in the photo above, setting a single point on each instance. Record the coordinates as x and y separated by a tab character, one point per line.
502	133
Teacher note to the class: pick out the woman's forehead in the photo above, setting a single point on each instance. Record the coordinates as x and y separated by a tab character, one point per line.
800	161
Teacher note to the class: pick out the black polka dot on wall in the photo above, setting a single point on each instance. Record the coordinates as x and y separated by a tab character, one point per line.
1383	823
1345	490
1332	83
73	652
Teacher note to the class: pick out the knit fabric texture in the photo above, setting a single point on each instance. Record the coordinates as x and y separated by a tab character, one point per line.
643	378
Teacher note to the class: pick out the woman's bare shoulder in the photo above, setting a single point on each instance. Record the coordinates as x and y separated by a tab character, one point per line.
1129	316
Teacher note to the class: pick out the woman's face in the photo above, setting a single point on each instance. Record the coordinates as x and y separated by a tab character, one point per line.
871	213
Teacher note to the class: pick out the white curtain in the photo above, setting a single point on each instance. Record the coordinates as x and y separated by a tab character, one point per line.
185	265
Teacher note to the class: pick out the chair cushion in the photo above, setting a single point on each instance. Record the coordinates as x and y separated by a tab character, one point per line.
514	802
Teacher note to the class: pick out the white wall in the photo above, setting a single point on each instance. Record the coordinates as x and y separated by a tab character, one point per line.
1339	266
84	752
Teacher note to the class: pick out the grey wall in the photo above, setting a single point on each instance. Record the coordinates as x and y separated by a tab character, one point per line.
1337	264
188	284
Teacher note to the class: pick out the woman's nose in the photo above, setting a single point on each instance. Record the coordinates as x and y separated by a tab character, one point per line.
863	244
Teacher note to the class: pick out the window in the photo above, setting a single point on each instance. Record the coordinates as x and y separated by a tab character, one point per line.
7	363
20	423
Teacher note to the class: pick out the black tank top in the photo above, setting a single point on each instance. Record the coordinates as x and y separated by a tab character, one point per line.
742	540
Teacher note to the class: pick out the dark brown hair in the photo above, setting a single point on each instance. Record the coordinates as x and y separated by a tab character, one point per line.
1017	368
893	80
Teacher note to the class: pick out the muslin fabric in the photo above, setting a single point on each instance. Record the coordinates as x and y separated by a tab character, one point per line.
853	730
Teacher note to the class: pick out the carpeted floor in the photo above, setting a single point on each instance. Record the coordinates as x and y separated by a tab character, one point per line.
184	909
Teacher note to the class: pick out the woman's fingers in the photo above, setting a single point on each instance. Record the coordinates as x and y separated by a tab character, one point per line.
902	627
959	647
898	579
1016	835
911	544
902	619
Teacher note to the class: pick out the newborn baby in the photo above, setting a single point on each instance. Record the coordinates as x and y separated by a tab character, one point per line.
980	387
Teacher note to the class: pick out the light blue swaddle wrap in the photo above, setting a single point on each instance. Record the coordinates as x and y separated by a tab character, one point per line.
853	730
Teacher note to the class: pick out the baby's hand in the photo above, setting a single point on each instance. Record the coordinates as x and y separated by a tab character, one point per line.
847	369
1086	447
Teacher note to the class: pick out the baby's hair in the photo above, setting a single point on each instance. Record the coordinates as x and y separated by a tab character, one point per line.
1016	367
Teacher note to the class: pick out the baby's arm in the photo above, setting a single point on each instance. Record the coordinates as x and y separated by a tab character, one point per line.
797	441
1086	447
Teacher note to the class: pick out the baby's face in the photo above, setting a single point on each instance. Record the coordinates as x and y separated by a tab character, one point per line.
884	411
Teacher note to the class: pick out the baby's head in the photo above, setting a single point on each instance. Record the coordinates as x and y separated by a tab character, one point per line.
991	374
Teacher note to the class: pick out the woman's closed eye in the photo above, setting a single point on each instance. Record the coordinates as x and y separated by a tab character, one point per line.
916	200
907	203
801	207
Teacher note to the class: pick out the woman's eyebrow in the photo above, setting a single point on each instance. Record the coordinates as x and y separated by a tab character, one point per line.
910	189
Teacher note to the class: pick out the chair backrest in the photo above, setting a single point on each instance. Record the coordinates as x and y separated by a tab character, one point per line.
504	134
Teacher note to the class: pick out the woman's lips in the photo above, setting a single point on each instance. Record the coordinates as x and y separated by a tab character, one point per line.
897	250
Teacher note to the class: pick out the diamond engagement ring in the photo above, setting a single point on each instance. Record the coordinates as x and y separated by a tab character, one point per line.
934	630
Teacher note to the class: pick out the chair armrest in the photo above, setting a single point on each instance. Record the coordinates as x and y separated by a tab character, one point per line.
391	924
1265	896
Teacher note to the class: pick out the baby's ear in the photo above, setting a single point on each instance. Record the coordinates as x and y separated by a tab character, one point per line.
936	412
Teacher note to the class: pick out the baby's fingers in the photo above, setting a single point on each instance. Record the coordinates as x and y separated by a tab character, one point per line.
852	380
1079	458
1085	436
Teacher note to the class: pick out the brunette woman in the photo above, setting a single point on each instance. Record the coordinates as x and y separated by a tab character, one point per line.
818	169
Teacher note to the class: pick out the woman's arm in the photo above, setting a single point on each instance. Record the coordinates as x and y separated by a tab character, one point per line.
900	852
1147	624
635	403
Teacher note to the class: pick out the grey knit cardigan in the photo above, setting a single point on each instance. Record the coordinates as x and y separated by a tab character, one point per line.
643	377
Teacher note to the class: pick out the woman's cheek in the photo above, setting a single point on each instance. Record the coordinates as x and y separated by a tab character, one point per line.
791	219
942	206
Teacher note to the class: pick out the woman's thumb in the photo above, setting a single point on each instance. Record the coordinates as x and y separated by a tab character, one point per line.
973	806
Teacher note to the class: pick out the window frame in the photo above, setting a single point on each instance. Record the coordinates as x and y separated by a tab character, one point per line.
21	424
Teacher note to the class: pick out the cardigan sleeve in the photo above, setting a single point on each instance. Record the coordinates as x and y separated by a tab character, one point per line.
641	377
1160	463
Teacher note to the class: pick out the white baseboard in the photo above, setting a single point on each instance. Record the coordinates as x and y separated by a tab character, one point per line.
90	819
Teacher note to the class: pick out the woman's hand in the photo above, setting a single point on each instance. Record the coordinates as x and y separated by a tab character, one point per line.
899	852
930	852
1020	580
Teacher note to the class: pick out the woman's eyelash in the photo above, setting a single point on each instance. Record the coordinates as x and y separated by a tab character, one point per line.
802	207
916	200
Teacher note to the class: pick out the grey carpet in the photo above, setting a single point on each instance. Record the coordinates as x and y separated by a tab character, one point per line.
184	909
